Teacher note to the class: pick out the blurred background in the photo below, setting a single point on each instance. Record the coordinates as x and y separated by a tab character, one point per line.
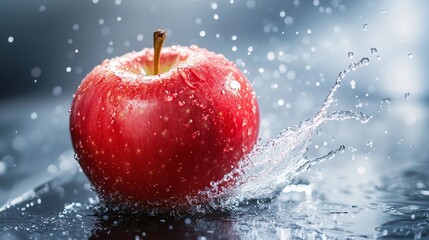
291	51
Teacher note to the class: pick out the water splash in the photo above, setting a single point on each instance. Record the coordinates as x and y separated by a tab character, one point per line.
268	169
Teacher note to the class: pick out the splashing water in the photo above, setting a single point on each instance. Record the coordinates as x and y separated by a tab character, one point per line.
268	169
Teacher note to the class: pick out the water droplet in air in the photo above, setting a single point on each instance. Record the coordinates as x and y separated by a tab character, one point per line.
383	11
57	91
353	148
2	168
365	27
364	61
353	84
33	115
10	39
410	55
407	95
386	100
288	20
374	51
36	72
140	37
42	8
75	27
350	55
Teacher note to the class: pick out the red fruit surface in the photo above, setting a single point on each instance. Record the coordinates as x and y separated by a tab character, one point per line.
151	140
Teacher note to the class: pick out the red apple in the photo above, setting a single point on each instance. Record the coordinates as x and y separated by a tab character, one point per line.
151	137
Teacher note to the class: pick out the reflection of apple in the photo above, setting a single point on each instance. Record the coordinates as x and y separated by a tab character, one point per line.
149	136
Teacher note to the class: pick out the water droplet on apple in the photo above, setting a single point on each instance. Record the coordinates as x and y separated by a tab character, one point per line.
143	72
168	98
196	134
181	103
244	122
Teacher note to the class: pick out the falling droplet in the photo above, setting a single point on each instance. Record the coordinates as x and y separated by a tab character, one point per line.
410	55
378	57
407	95
365	27
383	11
350	55
374	51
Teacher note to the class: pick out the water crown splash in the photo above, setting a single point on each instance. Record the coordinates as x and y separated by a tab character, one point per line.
268	169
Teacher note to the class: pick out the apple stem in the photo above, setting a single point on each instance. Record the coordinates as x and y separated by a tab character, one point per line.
158	40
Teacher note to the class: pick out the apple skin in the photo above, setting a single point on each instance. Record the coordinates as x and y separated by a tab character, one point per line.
154	140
